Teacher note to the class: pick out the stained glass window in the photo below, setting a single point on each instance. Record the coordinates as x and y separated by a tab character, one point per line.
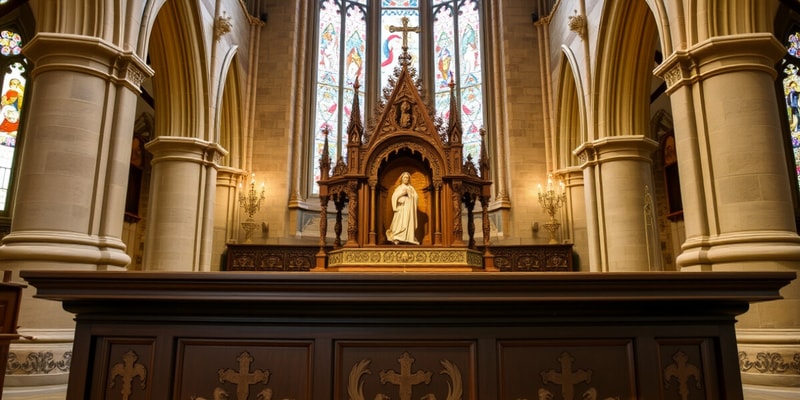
791	92
341	55
342	43
457	57
11	103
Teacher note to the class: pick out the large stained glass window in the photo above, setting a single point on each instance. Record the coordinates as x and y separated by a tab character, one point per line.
341	59
343	36
457	57
12	72
791	91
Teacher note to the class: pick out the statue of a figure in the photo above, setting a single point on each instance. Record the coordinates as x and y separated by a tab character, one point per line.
404	204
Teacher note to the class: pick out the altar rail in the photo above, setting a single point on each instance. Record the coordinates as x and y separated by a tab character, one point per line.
518	258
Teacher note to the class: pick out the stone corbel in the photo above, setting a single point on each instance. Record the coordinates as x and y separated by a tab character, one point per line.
222	25
578	24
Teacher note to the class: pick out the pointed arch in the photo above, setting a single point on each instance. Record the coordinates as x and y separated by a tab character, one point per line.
570	112
229	119
176	56
627	43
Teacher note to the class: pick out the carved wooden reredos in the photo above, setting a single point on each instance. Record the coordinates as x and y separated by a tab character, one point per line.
404	135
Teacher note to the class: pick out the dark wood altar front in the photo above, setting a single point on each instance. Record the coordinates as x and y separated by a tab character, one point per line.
449	336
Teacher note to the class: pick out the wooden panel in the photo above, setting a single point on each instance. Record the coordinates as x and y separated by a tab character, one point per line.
253	369
398	369
576	369
124	368
685	373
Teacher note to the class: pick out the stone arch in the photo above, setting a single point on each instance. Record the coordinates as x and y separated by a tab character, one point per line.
627	43
176	56
229	121
570	112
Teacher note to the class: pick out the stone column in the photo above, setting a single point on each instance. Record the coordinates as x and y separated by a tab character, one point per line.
736	194
72	182
621	173
735	186
226	212
575	227
182	204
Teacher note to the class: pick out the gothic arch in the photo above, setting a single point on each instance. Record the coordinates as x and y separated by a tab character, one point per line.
627	43
229	119
176	55
570	112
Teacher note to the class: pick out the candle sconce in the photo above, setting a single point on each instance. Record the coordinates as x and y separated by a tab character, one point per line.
551	201
250	202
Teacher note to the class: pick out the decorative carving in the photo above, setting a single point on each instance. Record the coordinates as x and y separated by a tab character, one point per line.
534	258
578	24
567	378
340	168
37	363
405	379
222	25
769	363
270	258
127	370
682	371
243	378
673	76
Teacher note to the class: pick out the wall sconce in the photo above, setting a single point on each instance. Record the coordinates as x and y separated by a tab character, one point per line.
551	201
251	203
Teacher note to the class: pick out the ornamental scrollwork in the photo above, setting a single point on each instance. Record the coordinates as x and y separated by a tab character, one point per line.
37	363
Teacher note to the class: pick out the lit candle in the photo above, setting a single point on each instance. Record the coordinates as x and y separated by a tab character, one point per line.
540	188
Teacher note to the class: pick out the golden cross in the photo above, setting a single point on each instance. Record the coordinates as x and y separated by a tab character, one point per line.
405	29
128	370
405	379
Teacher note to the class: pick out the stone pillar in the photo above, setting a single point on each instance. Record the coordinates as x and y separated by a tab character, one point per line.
575	227
72	182
621	173
181	204
735	186
226	213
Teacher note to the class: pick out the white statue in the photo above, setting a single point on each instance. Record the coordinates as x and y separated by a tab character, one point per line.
404	205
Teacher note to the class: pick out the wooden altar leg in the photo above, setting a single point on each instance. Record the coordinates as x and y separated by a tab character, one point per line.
488	257
437	215
322	257
372	237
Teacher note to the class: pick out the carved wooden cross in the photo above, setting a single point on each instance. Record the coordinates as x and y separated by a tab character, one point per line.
682	370
405	29
405	379
127	370
243	378
567	378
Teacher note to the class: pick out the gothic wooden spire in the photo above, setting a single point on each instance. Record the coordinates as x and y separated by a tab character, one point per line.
325	160
454	129
355	128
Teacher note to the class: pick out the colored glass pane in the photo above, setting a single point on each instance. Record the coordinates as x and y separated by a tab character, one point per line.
458	56
400	3
341	59
11	103
10	43
392	42
791	91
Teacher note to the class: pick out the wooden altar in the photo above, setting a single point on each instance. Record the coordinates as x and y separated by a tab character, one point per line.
446	336
405	137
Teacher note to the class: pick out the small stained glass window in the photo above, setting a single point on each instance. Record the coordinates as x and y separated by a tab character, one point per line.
12	94
791	92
